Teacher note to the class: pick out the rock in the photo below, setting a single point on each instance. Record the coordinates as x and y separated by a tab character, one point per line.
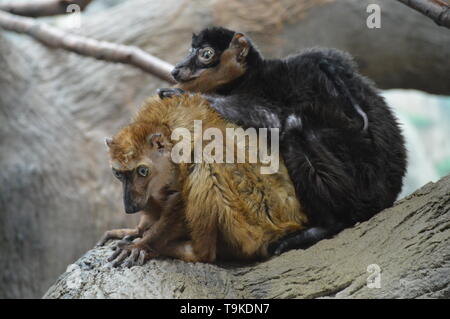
403	252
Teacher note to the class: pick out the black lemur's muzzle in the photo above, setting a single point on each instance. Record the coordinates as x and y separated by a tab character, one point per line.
175	72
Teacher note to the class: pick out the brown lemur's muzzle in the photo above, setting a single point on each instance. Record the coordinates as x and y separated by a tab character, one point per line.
131	206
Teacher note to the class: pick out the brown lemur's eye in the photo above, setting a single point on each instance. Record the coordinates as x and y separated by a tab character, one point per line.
207	54
142	170
117	174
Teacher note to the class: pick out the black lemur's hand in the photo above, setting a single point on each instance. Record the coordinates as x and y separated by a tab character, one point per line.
169	92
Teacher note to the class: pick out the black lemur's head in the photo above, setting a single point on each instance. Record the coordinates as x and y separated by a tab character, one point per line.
217	57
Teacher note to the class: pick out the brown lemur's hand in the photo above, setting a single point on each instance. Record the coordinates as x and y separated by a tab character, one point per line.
129	253
164	93
128	234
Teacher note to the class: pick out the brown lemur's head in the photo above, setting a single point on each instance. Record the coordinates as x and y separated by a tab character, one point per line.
140	159
217	57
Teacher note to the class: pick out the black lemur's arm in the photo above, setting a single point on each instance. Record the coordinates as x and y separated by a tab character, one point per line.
246	111
241	109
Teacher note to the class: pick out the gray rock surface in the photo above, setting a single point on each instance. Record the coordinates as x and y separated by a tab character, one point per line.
409	244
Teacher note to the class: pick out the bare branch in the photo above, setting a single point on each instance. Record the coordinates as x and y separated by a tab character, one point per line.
100	50
437	10
41	8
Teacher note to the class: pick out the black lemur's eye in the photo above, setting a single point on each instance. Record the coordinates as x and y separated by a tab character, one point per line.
206	54
142	170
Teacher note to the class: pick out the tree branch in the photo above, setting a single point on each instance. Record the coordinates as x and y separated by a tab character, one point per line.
41	8
437	10
100	50
397	247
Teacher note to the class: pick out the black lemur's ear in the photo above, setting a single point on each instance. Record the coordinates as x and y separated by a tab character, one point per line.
242	44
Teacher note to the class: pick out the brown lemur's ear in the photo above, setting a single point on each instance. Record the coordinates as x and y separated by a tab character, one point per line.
158	141
242	44
108	142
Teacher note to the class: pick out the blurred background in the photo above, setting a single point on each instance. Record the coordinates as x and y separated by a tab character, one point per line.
57	194
425	120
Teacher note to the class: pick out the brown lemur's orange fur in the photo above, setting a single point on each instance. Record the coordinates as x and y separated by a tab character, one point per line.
218	211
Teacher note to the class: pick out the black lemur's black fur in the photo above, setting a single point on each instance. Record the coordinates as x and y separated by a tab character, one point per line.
340	141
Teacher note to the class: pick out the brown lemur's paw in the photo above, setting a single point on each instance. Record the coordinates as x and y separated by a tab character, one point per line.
164	93
112	234
103	240
108	235
129	254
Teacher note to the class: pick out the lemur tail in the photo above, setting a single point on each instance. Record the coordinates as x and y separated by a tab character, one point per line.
333	75
302	239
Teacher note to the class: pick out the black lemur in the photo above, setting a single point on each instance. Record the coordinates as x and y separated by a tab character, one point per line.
340	141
